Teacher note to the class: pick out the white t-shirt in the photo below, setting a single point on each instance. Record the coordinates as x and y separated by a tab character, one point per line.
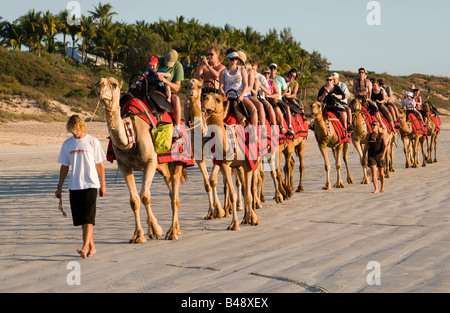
263	81
344	88
233	82
82	155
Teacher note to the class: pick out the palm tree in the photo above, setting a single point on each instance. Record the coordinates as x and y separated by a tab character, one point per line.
50	26
111	44
102	13
74	31
32	25
13	36
63	27
87	33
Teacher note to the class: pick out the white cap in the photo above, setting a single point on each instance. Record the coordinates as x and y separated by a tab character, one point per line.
273	64
335	75
233	55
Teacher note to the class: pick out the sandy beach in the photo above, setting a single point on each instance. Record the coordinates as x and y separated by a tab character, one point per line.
318	241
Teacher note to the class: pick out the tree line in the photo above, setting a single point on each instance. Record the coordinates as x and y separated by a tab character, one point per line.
131	44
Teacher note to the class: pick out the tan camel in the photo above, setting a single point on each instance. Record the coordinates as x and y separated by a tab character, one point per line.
411	141
213	106
194	94
360	131
432	133
327	137
139	156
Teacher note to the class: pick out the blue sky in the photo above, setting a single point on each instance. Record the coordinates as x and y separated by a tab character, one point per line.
412	36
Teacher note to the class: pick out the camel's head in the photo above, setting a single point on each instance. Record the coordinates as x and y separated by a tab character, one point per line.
356	104
316	108
426	106
194	88
213	103
402	114
108	89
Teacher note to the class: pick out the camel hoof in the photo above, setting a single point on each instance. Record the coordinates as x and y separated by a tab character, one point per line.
300	189
326	188
350	180
219	212
278	198
233	226
138	240
154	232
172	235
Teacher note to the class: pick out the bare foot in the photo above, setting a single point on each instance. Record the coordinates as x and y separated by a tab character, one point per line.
82	253
92	252
375	191
382	190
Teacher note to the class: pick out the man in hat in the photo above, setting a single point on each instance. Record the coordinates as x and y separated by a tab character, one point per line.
344	88
170	63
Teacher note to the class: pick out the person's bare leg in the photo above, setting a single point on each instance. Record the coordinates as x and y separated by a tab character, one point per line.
374	177
382	179
88	241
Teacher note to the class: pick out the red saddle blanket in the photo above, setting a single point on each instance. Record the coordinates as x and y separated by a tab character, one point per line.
181	150
343	136
417	125
242	143
437	121
370	118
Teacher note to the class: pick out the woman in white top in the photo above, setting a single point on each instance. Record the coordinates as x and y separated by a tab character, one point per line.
235	77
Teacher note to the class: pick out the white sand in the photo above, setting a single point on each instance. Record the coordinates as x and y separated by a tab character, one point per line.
317	241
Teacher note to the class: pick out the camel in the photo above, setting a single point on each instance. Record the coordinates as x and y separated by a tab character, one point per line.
359	134
194	94
213	106
411	141
327	137
432	133
139	156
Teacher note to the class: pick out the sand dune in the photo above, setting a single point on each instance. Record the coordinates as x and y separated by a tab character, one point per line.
318	241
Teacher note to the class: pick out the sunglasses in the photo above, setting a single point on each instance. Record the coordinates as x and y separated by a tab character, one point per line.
329	80
210	54
232	59
273	68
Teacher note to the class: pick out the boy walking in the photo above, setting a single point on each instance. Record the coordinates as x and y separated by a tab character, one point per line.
84	155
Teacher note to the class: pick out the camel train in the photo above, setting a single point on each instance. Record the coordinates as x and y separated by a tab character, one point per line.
133	118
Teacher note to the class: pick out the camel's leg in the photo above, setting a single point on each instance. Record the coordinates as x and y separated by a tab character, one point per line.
415	147
391	166
300	151
345	157
174	230
435	147
261	180
406	144
324	152
218	211
424	152
288	170
273	166
201	164
154	229
387	159
250	216
255	188
281	183
135	202
226	172
239	204
360	147
337	151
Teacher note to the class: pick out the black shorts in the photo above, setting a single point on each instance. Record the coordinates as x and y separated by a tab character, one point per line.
376	160
83	204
